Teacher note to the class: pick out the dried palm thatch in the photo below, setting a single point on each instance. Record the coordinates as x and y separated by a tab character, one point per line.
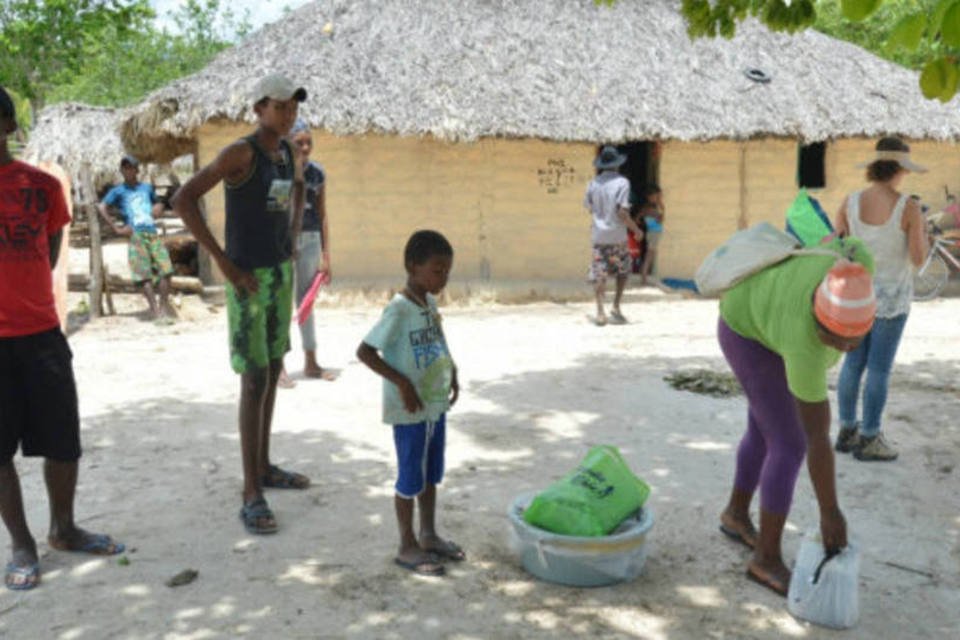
565	70
72	135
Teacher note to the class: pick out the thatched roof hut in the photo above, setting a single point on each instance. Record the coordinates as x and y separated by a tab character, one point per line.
73	135
493	108
564	70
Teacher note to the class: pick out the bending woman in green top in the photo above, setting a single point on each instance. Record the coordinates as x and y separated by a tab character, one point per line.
781	330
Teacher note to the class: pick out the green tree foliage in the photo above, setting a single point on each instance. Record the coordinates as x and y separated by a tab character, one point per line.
106	52
922	34
122	66
41	41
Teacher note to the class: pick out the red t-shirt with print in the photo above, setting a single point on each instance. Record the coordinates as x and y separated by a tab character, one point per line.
31	209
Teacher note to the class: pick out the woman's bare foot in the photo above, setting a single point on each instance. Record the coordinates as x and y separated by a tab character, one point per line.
313	370
738	528
772	575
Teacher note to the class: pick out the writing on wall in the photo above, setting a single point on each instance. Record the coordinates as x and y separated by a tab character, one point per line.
556	175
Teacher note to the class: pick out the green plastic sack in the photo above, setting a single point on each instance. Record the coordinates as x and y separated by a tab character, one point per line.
592	500
807	221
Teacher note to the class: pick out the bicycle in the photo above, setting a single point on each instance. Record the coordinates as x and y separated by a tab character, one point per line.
932	276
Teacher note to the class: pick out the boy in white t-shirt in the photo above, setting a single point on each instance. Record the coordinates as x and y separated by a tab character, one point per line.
407	347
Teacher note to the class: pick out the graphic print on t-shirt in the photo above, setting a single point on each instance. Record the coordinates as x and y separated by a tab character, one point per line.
23	220
431	357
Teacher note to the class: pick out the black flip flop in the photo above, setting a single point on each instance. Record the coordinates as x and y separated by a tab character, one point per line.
769	582
735	535
448	551
419	567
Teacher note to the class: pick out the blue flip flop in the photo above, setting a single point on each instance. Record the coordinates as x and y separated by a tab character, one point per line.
98	544
257	510
27	573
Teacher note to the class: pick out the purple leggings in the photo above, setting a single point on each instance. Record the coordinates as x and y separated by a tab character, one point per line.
772	450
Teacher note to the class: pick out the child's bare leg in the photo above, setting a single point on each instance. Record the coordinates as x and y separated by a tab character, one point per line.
600	289
61	480
269	399
151	298
24	547
410	555
165	296
429	539
647	265
618	294
253	389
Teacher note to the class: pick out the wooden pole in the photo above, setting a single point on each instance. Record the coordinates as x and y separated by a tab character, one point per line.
88	203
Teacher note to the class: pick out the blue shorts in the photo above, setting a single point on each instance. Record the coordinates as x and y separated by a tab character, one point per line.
419	455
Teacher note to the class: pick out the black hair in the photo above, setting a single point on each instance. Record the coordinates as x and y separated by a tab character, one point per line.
648	190
883	170
7	109
425	244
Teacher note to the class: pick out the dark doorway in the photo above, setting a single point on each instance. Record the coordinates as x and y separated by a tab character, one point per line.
643	163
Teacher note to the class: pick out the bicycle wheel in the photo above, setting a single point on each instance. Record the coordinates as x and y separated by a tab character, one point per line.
931	278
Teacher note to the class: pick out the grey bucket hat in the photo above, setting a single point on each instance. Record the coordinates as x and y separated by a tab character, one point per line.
609	158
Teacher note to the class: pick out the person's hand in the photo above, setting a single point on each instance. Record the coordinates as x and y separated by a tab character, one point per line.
123	230
454	388
325	266
833	530
242	280
408	393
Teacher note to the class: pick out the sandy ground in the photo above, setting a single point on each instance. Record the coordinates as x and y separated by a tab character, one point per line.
161	472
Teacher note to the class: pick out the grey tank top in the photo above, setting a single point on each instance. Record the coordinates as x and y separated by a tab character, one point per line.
258	210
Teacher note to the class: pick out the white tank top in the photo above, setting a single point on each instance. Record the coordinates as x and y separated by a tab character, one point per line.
893	280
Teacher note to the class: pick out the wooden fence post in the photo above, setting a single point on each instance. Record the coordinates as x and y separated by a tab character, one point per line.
88	202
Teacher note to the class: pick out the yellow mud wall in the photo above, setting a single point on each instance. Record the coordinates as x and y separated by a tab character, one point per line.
511	208
713	188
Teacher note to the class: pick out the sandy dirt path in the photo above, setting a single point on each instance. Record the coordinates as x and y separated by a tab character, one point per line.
161	471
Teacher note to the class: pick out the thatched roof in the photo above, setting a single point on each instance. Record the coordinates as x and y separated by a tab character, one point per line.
554	69
72	135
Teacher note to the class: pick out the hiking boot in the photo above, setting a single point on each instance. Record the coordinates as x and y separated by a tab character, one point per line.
847	440
875	449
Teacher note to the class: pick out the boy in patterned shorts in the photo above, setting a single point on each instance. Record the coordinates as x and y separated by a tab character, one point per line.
264	189
149	261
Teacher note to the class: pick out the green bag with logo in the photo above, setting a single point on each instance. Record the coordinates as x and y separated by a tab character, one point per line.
592	500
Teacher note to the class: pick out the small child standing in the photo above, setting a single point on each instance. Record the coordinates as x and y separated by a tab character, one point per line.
407	347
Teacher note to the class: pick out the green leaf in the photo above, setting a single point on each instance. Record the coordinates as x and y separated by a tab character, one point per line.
938	78
950	27
908	32
859	10
950	79
938	14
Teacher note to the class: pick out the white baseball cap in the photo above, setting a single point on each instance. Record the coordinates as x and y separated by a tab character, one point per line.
277	87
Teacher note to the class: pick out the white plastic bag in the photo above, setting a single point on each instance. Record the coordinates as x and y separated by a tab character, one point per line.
824	590
744	253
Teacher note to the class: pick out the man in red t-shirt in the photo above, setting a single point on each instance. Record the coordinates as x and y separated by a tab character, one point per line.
38	396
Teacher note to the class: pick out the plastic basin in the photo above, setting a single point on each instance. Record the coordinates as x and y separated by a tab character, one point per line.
578	561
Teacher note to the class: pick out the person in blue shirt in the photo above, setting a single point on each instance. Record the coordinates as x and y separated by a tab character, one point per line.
149	261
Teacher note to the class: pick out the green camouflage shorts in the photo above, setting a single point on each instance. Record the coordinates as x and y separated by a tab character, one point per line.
259	323
148	258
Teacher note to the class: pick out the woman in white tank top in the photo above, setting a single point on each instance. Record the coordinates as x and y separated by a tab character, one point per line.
891	225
